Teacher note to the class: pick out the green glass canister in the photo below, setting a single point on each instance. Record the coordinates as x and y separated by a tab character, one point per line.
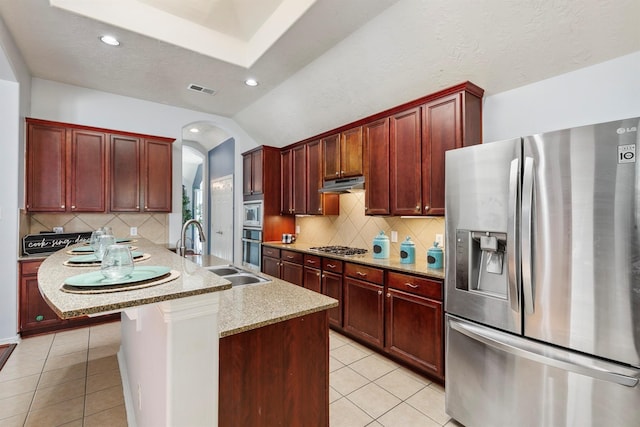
381	246
435	256
407	251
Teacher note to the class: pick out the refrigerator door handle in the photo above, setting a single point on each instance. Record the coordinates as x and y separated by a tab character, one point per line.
512	232
526	234
547	355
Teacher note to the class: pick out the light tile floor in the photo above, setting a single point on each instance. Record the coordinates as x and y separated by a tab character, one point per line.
72	379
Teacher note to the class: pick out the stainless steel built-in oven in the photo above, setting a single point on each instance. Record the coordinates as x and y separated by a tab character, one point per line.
252	214
251	248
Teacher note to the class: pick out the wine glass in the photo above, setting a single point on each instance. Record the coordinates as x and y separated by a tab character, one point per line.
93	241
117	262
104	241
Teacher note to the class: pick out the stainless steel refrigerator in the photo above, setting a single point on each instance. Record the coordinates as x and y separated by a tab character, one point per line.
542	287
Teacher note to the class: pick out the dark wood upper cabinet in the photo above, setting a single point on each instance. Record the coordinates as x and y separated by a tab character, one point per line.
318	203
125	174
450	122
406	163
87	187
299	180
73	168
376	167
342	154
286	186
46	168
351	152
252	170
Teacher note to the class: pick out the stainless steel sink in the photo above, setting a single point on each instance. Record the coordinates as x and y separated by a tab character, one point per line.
237	276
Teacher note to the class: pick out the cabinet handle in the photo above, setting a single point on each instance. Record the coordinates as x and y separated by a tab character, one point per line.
290	256
411	285
310	261
361	274
331	266
379	292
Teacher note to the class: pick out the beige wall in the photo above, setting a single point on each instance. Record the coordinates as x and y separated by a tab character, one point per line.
353	228
154	227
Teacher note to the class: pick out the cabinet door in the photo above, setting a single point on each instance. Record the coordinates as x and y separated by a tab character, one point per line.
246	175
157	174
415	330
46	168
442	131
124	174
87	186
286	187
271	266
312	279
314	178
364	310
257	165
292	273
34	312
332	287
376	167
351	152
299	179
331	157
406	163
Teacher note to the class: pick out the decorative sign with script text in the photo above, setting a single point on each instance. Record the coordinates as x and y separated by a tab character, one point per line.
50	242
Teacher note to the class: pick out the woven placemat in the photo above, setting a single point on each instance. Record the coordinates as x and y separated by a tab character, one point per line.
71	252
171	275
97	263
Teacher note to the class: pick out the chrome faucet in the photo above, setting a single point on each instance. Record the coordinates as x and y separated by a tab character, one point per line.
182	250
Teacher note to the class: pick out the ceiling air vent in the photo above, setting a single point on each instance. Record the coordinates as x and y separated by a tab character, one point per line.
202	89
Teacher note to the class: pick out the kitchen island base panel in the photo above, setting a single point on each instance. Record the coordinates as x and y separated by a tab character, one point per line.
169	362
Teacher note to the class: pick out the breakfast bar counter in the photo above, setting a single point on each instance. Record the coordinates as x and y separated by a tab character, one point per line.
187	345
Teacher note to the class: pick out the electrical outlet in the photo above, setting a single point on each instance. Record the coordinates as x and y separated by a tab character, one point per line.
440	240
297	229
394	236
133	231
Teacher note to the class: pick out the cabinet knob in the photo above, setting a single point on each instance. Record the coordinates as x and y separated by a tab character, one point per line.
426	207
137	206
417	207
379	292
73	207
388	295
62	207
337	173
318	274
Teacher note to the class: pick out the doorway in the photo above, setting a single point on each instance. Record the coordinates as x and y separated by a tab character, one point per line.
221	217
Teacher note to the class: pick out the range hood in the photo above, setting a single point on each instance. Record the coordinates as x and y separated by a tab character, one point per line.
343	185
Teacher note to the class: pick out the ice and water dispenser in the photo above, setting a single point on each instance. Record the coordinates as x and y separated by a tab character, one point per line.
481	262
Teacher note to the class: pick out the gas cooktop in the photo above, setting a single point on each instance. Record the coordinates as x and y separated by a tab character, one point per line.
340	250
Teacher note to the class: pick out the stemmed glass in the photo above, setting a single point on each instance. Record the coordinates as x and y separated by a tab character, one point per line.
117	262
93	241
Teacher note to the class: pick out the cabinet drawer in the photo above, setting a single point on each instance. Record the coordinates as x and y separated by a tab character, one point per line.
370	274
290	256
30	267
270	252
416	285
329	264
312	261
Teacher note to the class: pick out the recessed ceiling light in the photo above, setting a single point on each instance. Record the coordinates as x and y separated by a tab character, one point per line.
194	130
251	82
110	40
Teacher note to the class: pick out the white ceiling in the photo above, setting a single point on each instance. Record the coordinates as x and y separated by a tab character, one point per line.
320	63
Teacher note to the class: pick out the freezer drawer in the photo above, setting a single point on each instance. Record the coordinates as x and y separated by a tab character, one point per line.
498	379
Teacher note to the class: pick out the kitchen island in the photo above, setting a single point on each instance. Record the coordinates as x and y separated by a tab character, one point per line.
181	337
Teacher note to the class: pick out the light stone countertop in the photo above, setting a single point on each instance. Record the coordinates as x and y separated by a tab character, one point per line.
392	263
242	308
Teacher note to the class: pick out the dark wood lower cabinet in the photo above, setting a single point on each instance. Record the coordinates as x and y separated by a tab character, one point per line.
34	314
277	375
364	310
313	279
332	287
414	327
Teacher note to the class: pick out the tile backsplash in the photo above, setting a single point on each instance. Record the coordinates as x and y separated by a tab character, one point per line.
154	227
353	228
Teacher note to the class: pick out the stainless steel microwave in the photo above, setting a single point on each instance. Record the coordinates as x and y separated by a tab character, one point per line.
252	214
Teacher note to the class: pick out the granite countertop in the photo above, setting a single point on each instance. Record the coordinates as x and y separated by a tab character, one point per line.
242	308
392	263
